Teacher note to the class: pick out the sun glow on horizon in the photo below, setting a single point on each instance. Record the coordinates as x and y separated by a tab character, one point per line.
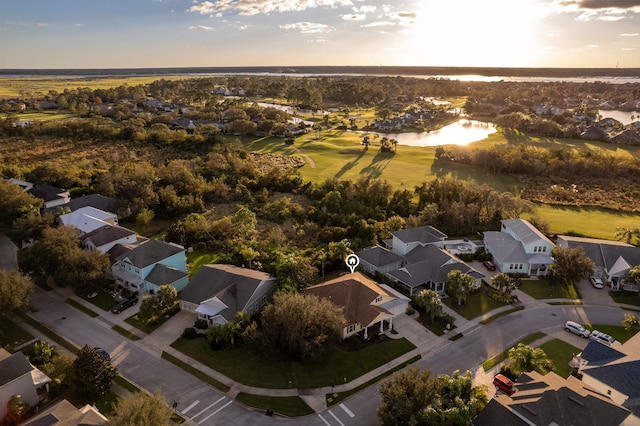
471	33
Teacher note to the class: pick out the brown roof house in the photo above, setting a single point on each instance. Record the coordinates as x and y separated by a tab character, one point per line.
368	306
217	293
19	377
65	413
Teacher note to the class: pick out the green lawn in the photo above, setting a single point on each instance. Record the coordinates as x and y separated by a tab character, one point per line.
11	334
45	115
560	353
290	406
197	258
153	230
497	359
616	331
126	333
477	304
143	326
195	372
245	367
542	289
625	298
103	299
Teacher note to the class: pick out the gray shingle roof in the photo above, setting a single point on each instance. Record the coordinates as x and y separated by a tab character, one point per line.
598	354
233	285
623	376
605	253
378	256
106	234
525	231
91	200
153	251
13	367
505	247
423	234
161	275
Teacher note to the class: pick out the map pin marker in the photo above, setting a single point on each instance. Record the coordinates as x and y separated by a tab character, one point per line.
352	262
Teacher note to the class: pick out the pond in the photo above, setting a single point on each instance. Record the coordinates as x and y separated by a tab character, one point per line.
622	116
462	132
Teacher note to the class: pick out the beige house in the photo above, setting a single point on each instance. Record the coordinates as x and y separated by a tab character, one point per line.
368	306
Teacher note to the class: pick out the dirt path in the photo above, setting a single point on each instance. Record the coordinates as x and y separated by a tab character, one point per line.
306	157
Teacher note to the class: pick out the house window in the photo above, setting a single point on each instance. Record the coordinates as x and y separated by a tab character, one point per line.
535	249
544	249
378	299
263	301
351	328
510	266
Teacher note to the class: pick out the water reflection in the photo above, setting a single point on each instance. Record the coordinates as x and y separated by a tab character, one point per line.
462	132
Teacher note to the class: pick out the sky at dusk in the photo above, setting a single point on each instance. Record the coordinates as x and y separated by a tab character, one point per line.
215	33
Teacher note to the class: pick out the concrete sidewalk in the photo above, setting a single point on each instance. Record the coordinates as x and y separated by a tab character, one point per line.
406	326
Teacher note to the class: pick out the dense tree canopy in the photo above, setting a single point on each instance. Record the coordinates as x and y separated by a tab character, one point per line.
141	409
405	395
301	325
526	358
571	264
15	291
92	375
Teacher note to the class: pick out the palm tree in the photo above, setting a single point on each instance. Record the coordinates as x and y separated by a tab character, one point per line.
430	302
627	234
631	323
459	286
365	142
526	358
395	145
16	410
503	283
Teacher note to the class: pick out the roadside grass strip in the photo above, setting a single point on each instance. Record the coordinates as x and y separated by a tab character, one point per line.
49	333
290	406
497	359
126	384
625	298
568	302
195	372
12	334
81	308
333	399
542	289
126	333
501	314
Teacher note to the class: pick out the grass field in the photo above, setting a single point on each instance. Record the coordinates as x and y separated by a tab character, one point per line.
542	289
43	116
11	87
338	366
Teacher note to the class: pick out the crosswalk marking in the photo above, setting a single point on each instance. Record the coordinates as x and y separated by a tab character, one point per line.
344	407
196	402
337	419
209	406
215	412
322	418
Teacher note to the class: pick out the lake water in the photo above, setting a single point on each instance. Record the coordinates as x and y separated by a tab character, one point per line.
462	132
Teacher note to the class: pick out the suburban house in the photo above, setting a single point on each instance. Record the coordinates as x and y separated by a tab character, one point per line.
519	248
378	259
613	259
368	306
65	413
22	184
19	377
405	240
613	371
88	219
97	201
104	238
553	400
150	265
218	292
52	196
427	267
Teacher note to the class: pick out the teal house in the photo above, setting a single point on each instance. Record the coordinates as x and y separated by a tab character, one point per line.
152	264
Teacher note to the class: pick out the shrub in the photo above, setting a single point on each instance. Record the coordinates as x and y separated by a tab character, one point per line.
466	257
190	333
507	371
410	310
201	324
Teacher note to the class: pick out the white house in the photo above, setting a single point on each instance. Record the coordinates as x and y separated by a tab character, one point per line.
406	240
88	219
519	248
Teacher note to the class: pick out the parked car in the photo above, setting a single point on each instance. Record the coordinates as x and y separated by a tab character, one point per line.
504	384
489	265
576	328
603	338
121	306
597	282
104	353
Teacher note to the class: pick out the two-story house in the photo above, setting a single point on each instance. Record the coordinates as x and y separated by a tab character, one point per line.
519	247
19	377
152	264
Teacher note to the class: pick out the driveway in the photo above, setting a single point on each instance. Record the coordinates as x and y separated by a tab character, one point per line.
8	254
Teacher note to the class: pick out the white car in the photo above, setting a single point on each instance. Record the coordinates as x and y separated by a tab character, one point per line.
603	338
597	282
576	328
